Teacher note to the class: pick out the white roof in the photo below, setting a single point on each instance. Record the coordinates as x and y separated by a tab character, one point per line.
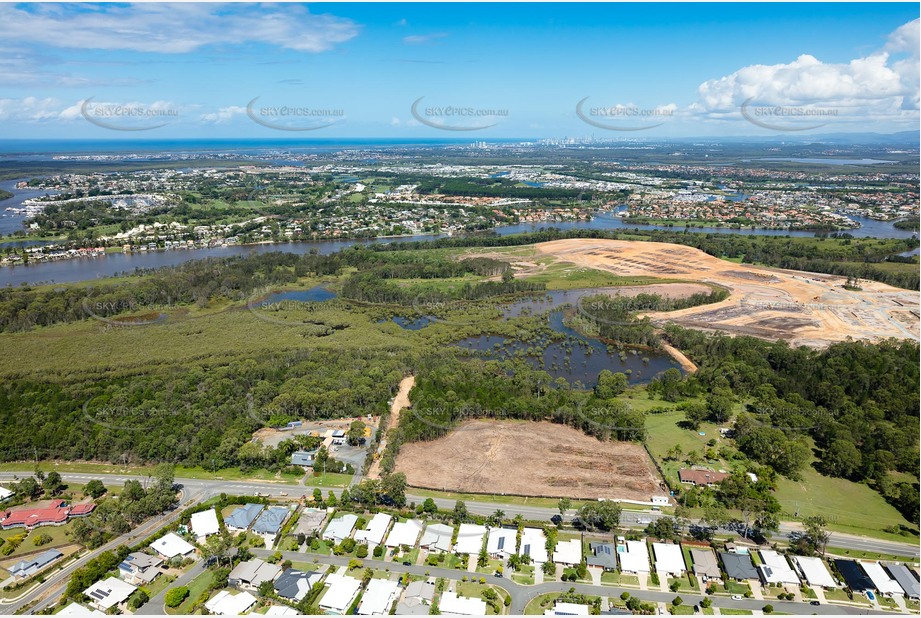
437	536
568	552
775	569
205	523
815	571
378	597
404	533
340	593
340	528
881	579
669	558
6	493
109	592
534	543
469	539
172	545
567	609
453	604
501	541
227	604
75	609
635	558
377	528
281	610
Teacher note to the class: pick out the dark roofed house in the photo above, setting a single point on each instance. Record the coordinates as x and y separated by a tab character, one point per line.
855	577
906	579
738	566
31	566
139	568
243	517
294	585
604	555
701	477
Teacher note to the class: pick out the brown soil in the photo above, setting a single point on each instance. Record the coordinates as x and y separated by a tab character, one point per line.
803	308
531	459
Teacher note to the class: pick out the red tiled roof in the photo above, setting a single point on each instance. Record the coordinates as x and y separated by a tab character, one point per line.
54	513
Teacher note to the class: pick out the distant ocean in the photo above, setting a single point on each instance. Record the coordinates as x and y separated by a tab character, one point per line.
13	147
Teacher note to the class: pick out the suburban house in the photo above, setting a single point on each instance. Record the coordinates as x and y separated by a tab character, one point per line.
30	566
453	604
226	604
269	524
139	568
855	577
404	533
501	542
669	559
378	597
242	518
340	528
881	578
294	585
251	573
377	529
172	546
204	524
775	569
417	599
568	552
603	555
55	514
534	544
738	566
310	521
815	572
568	609
469	539
281	610
906	578
305	459
705	565
109	593
75	609
634	557
340	592
694	476
437	537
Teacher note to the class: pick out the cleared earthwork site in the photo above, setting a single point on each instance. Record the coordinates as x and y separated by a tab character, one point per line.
530	459
802	308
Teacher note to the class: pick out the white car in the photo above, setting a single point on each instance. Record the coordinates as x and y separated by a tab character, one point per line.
737	597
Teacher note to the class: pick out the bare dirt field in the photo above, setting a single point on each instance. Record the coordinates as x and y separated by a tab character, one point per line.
531	459
803	308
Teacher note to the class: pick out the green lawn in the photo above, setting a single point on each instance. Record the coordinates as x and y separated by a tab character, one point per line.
500	499
490	568
538	604
196	588
737	587
848	506
681	610
60	536
524	576
728	611
330	479
867	555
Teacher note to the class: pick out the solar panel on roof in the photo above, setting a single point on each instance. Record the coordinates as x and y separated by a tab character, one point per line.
501	542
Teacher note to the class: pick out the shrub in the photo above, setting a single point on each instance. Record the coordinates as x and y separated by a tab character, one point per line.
768	609
42	539
175	596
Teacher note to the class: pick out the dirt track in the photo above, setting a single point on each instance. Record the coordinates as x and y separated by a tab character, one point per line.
532	459
400	401
803	308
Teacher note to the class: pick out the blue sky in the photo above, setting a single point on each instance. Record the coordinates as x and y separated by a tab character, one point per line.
480	70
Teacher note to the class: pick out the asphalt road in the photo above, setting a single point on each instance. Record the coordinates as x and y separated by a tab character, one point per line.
522	594
194	490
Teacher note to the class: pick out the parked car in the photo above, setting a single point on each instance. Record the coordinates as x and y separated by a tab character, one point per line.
737	597
870	596
814	603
